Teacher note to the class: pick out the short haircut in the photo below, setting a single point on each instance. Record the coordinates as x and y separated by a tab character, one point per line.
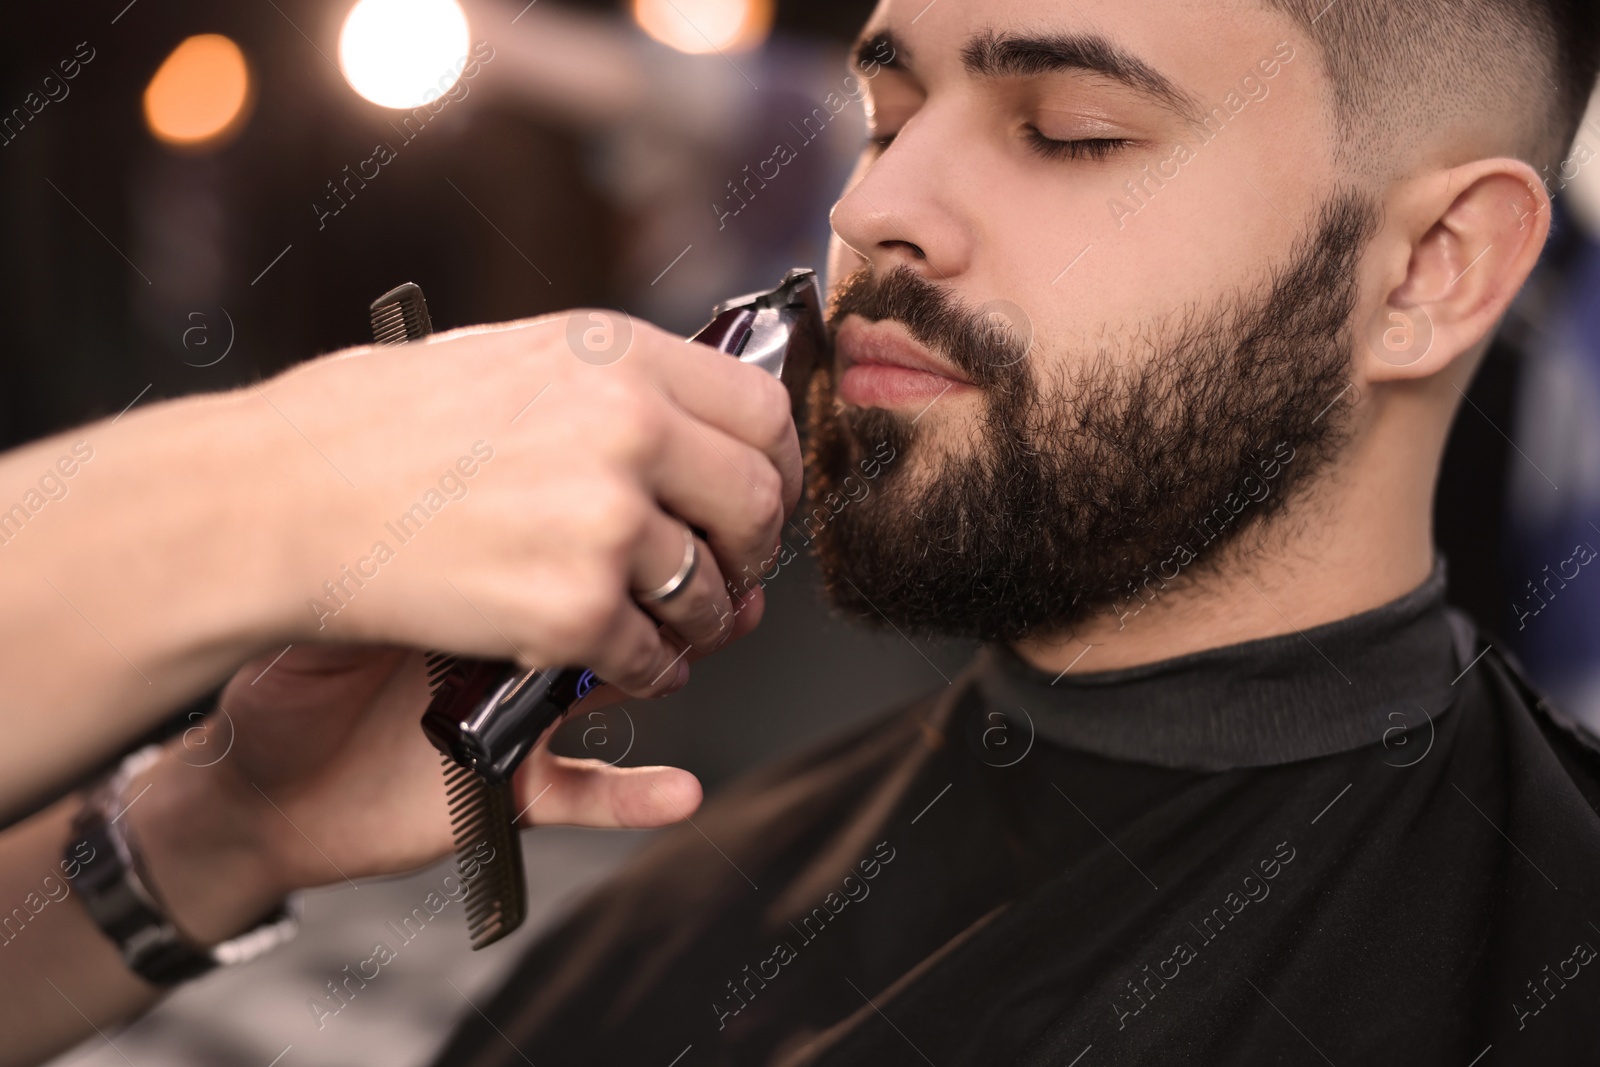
1402	66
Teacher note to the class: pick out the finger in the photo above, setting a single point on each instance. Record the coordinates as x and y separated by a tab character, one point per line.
747	612
636	655
749	605
558	790
742	401
723	486
737	398
698	610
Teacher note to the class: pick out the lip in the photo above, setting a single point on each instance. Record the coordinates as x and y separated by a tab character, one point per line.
883	367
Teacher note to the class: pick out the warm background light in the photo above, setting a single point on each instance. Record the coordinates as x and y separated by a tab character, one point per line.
394	52
200	94
705	25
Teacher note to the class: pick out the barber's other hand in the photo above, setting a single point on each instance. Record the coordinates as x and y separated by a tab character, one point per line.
317	771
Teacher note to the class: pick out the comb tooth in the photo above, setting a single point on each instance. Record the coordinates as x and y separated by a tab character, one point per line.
445	672
497	899
400	315
389	324
471	809
465	790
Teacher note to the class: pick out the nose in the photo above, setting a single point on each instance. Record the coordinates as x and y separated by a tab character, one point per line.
905	208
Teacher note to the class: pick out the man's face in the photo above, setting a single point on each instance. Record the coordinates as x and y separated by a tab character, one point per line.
1109	231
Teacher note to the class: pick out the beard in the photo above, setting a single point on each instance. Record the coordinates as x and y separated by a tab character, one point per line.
1080	492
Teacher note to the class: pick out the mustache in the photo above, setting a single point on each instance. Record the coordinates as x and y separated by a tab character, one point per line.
988	344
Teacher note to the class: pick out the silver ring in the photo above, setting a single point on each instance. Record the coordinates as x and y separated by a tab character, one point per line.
674	585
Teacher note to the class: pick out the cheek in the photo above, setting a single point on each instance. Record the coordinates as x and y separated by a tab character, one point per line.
1049	248
1092	285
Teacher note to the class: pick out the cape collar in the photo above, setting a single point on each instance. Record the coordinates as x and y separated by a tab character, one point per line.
1379	678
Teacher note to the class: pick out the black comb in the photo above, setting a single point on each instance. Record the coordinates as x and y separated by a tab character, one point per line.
482	811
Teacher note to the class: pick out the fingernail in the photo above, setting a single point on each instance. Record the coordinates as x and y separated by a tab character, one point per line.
681	679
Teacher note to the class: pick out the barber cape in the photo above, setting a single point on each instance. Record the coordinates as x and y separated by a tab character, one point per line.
1370	842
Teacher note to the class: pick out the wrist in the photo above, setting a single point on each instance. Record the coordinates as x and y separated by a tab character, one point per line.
313	503
237	528
204	850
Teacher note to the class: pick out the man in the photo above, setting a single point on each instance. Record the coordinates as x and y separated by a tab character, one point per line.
1151	320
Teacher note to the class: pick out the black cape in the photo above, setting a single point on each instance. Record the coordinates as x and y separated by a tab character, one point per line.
1370	842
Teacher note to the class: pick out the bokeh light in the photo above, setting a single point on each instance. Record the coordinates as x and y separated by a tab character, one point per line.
697	26
403	53
200	94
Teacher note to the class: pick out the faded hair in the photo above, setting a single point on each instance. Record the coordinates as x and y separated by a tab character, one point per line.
1397	67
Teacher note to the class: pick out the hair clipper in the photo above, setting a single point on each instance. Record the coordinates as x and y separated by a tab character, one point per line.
486	716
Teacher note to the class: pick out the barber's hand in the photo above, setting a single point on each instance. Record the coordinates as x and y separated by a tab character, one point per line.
501	493
318	770
489	492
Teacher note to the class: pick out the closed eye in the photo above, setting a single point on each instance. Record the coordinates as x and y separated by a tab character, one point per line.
1089	148
1095	148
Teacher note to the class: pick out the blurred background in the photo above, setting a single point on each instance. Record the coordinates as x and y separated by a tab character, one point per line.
194	196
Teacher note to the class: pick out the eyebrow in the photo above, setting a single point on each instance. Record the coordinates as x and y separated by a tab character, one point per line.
994	55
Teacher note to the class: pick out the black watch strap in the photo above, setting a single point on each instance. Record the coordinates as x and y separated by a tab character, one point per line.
150	944
118	895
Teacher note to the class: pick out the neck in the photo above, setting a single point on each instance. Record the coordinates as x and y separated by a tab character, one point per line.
1358	539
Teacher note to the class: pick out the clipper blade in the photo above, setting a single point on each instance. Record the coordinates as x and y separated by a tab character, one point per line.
488	853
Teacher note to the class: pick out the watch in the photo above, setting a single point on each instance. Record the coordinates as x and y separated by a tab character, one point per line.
117	892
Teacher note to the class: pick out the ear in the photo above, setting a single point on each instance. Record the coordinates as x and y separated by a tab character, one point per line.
1474	234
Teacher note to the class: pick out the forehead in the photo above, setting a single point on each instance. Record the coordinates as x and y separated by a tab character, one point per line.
1200	47
1253	172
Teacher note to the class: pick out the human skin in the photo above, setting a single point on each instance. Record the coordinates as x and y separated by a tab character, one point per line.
959	197
320	772
200	533
315	773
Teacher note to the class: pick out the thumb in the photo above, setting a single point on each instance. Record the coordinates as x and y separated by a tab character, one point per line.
558	790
